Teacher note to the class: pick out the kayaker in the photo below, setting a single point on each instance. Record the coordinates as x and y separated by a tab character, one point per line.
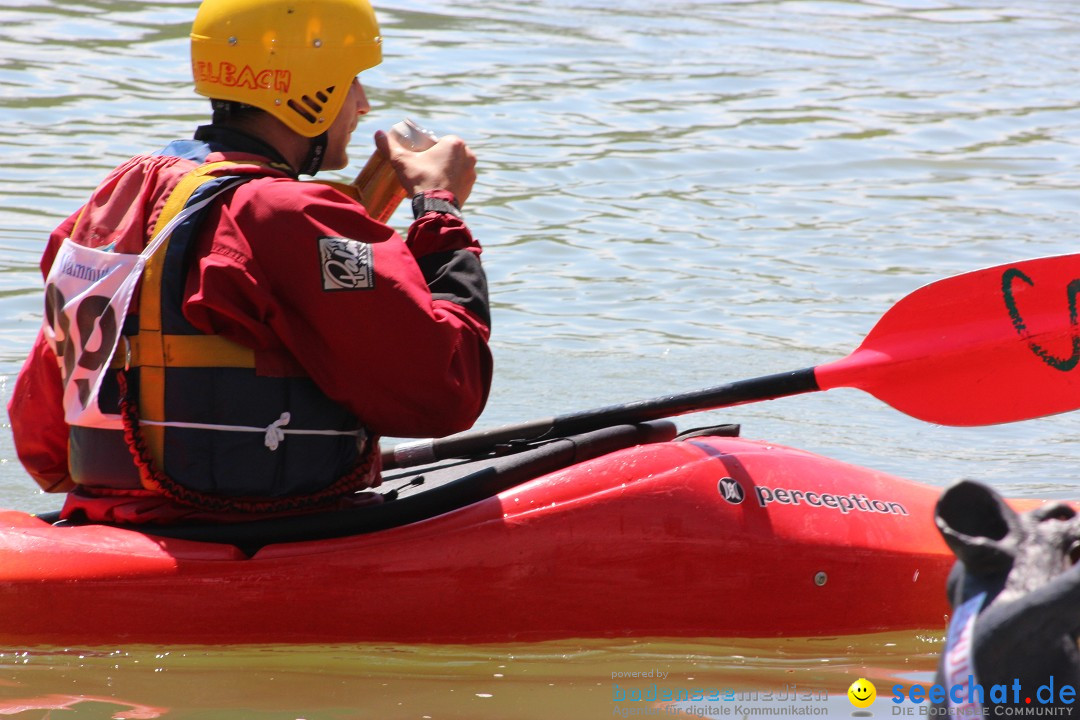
277	330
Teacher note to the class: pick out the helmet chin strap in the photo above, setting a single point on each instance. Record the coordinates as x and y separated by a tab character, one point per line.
315	155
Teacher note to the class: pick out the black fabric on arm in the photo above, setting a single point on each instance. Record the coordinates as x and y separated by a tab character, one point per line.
458	276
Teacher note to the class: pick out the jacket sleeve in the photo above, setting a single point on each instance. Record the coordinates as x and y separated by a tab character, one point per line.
36	409
395	331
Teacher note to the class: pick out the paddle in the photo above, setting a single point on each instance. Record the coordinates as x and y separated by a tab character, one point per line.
990	346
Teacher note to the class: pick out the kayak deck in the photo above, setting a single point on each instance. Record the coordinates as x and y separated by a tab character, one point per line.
707	537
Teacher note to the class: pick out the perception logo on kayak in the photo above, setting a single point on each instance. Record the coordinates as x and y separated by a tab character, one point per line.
731	490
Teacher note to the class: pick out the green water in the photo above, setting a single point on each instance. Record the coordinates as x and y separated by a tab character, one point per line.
576	679
671	196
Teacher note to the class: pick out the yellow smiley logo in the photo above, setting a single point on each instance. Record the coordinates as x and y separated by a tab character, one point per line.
862	693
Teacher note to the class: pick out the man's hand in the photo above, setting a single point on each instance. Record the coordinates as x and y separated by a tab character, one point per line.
448	165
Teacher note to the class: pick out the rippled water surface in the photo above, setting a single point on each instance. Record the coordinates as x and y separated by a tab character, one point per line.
671	196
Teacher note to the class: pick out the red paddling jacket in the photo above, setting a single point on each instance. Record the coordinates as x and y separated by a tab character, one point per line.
278	332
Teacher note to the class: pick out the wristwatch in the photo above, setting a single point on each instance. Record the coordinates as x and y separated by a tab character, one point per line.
434	201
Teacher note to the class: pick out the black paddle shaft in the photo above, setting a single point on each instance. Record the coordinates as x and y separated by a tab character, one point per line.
472	443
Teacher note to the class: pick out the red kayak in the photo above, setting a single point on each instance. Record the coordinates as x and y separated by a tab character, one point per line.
703	536
625	531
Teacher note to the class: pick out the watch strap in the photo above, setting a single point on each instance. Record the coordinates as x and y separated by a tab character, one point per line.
423	203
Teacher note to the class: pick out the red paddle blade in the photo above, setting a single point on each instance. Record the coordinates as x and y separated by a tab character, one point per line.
990	346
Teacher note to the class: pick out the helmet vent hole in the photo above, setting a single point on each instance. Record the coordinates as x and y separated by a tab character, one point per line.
301	111
322	97
317	107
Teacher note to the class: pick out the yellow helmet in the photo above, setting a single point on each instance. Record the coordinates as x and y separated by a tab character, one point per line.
295	59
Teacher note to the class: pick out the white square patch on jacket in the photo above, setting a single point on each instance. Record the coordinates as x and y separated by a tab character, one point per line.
346	264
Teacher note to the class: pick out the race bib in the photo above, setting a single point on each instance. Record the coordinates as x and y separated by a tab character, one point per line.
87	295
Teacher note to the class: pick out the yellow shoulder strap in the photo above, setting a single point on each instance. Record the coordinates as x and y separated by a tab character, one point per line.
153	351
